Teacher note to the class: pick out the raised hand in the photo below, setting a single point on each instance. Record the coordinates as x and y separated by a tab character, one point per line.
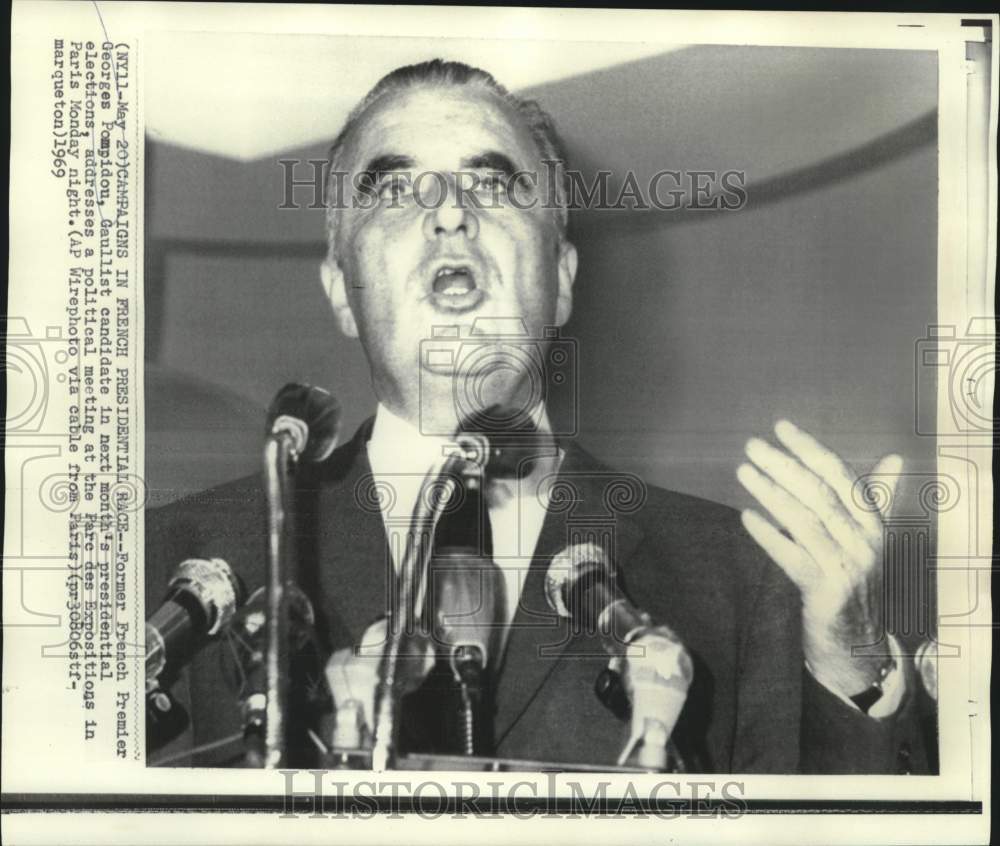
832	550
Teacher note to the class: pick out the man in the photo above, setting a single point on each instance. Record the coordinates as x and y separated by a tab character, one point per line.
776	687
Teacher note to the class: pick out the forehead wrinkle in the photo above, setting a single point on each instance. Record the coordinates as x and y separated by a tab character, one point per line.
498	126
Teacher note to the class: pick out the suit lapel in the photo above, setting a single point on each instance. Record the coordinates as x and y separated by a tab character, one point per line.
588	503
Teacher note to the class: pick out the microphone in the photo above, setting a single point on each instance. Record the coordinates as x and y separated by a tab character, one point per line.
512	442
467	601
310	416
202	597
455	480
581	585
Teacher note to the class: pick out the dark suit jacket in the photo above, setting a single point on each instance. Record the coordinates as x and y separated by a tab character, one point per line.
752	706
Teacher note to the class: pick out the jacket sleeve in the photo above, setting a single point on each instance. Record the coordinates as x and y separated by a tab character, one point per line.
836	738
787	721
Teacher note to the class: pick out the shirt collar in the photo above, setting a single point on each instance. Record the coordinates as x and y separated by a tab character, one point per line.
397	446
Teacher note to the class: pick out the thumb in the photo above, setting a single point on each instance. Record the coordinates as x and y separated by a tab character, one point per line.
888	471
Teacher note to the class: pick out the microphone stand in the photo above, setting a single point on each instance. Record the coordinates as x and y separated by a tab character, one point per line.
411	596
280	454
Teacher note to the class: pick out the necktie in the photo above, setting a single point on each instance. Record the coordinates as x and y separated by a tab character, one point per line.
451	713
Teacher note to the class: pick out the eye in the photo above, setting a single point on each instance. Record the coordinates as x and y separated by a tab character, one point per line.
490	183
394	187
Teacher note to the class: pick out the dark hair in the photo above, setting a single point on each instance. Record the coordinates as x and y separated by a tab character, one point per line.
457	74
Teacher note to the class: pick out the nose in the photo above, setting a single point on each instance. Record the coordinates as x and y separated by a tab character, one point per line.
449	217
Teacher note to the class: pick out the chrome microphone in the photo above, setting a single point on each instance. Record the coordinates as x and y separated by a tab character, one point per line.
467	598
201	599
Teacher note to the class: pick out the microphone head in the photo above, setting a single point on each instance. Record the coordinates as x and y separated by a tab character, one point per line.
474	447
467	605
567	567
512	439
214	585
310	415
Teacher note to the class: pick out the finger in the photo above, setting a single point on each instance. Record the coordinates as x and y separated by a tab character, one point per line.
890	467
800	521
798	566
826	464
811	491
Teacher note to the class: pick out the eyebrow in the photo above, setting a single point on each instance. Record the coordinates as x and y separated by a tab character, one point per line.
387	163
392	162
491	160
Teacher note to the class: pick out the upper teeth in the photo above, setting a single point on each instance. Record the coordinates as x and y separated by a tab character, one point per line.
447	270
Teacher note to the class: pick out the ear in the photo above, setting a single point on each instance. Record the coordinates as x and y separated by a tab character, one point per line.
332	278
567	275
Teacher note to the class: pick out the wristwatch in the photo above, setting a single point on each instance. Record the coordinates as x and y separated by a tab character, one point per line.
867	698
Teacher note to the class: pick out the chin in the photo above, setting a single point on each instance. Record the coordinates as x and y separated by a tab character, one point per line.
449	395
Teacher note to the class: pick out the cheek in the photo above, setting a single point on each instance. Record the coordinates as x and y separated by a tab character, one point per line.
387	245
383	297
537	273
374	264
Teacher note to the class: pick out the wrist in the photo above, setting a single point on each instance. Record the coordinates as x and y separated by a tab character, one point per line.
852	676
874	692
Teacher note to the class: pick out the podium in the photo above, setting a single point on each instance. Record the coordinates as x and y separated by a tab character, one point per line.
361	759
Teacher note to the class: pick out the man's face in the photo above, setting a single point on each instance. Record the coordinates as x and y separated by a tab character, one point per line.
405	263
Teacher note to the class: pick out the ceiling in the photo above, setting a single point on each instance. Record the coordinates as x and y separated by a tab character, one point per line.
777	114
272	93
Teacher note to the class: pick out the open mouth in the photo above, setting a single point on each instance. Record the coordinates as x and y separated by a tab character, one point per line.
454	288
454	281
